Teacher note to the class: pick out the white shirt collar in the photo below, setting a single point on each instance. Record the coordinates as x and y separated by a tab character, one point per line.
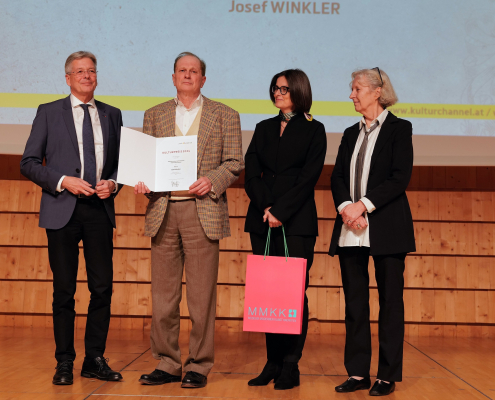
380	119
196	103
75	102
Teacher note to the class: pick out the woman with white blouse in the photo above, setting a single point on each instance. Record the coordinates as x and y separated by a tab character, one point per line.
371	174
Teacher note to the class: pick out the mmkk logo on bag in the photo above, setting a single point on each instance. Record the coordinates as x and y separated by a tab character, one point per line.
270	314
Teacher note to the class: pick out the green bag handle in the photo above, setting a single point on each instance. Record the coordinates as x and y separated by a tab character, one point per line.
267	246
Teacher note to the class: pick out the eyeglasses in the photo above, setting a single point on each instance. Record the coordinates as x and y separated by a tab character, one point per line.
81	73
283	89
379	73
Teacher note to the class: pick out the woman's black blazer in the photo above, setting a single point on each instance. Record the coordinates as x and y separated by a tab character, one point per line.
282	171
391	225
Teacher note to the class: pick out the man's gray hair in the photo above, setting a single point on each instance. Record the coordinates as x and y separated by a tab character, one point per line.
187	53
77	56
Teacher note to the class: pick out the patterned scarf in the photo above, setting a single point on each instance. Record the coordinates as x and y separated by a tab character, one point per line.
286	117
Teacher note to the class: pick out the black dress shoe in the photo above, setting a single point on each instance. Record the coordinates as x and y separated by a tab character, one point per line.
270	371
289	377
158	377
64	376
99	369
193	380
351	385
382	388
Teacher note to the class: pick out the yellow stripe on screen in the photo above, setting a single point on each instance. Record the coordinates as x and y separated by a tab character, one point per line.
320	108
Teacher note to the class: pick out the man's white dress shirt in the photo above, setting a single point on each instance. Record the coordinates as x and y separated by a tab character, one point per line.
78	114
353	237
184	117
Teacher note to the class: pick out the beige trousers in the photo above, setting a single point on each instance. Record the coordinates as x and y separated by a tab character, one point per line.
181	242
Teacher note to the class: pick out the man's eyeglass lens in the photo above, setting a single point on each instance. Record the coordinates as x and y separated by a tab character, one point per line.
283	89
83	73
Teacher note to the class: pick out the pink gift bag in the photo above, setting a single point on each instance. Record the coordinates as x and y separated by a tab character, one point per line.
274	296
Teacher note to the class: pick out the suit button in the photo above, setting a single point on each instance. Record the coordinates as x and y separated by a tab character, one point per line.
78	170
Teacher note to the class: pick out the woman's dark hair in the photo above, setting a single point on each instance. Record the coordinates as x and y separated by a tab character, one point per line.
299	89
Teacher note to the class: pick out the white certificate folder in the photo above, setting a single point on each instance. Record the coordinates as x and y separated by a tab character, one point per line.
163	164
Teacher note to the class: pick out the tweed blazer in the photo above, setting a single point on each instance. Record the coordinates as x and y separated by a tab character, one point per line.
219	158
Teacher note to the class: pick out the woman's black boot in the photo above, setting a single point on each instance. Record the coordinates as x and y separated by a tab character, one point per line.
289	378
270	371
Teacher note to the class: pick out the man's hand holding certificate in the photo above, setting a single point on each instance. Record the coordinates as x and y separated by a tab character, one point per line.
162	164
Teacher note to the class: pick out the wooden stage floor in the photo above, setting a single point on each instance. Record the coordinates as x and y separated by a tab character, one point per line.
434	368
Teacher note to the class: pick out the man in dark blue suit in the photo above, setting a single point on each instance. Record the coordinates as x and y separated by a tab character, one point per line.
78	138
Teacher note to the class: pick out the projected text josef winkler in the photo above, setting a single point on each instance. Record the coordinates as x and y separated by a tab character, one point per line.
286	7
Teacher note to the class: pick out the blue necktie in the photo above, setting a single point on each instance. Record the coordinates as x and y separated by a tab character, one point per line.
88	148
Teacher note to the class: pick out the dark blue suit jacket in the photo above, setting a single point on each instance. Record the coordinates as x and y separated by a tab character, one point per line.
53	139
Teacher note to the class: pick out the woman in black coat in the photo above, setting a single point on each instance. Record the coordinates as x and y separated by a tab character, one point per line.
283	164
371	174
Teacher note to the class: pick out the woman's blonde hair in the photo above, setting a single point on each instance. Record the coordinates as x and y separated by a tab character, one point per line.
387	97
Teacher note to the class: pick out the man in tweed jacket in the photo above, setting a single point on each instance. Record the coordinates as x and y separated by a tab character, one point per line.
186	226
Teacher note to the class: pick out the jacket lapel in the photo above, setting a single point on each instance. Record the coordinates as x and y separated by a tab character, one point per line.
295	124
352	139
274	129
167	124
208	117
69	123
383	137
271	142
104	128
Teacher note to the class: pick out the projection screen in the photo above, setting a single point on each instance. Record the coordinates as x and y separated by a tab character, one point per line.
440	56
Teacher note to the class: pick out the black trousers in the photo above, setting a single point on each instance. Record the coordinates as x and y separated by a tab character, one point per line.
281	347
91	224
389	273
